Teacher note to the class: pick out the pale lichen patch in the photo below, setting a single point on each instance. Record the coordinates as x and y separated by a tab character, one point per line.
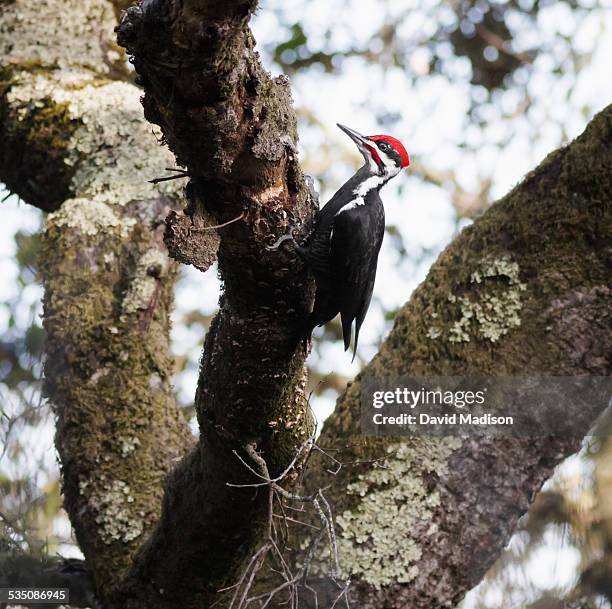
377	540
150	267
459	330
111	148
58	33
495	309
496	267
113	513
128	444
97	375
433	332
90	217
155	382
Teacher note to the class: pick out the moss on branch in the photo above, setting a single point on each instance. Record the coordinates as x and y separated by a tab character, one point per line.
232	125
75	142
522	291
37	147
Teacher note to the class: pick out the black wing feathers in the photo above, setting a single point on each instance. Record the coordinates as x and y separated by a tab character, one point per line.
355	243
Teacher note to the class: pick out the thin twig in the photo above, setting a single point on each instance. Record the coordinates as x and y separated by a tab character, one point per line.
292	581
180	173
294	521
343	593
333	542
267	480
262	551
205	228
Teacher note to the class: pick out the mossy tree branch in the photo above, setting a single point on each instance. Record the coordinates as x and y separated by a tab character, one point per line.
542	256
108	294
38	156
74	142
219	103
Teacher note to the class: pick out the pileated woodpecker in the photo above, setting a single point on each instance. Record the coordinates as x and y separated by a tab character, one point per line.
342	250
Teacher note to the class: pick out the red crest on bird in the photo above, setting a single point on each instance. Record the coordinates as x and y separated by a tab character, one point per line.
397	145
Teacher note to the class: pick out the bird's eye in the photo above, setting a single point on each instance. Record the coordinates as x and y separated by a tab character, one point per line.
384	146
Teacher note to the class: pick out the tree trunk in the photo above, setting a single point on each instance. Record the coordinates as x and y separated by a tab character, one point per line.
74	143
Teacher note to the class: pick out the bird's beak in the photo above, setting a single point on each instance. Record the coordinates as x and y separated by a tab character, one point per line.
361	141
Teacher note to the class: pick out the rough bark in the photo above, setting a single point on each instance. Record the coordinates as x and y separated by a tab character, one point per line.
485	328
233	127
74	142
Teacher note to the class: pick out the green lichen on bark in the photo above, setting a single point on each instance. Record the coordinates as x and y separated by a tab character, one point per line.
41	85
99	370
379	538
492	307
117	522
37	130
85	152
151	266
73	31
91	217
108	147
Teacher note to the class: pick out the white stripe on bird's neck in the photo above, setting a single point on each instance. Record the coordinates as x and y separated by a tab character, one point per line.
360	193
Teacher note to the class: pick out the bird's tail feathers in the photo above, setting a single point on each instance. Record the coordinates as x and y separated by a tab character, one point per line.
347	328
355	343
305	332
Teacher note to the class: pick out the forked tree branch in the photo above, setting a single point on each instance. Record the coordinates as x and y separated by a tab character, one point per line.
503	248
74	142
456	501
232	126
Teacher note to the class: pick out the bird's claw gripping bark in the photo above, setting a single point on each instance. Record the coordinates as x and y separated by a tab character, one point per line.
276	245
288	236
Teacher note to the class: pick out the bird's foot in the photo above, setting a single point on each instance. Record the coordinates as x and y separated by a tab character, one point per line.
276	245
286	237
